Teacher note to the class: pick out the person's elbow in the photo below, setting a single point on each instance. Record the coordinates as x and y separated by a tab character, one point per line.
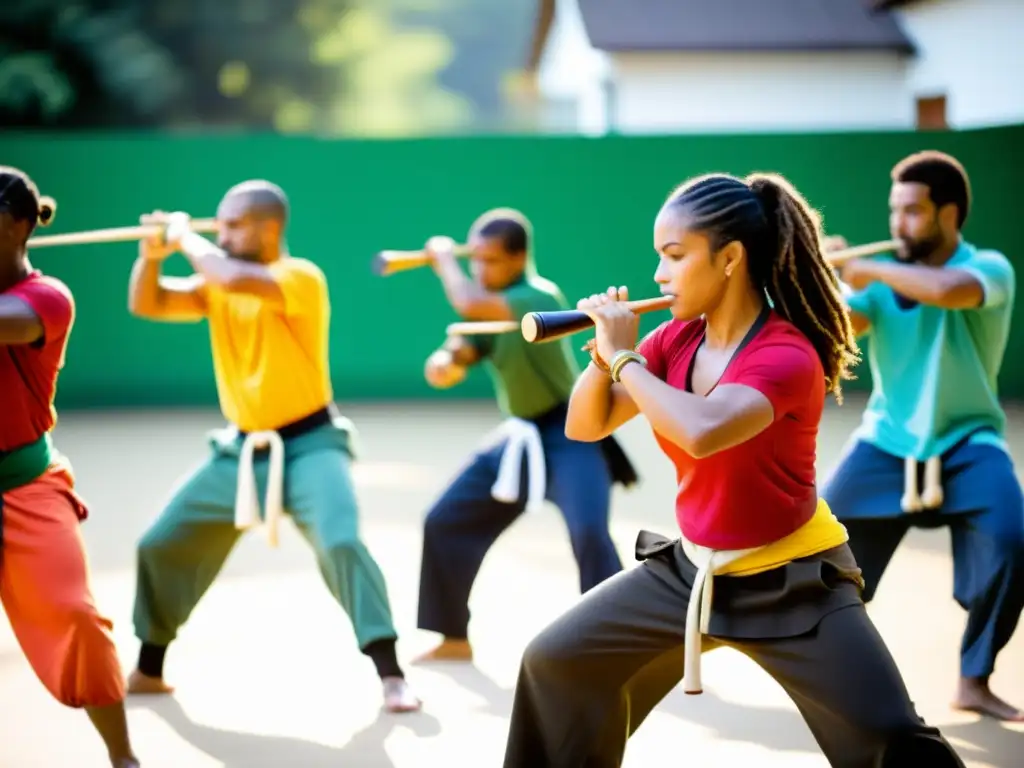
702	443
137	307
959	294
582	433
144	307
582	429
720	432
480	306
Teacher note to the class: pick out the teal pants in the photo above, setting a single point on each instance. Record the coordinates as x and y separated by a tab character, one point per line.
185	548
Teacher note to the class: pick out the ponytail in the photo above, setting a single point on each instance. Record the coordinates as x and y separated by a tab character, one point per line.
801	284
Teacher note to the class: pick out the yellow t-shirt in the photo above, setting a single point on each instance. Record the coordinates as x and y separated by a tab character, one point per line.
271	362
823	531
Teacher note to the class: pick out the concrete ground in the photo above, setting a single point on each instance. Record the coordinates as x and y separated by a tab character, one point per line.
267	671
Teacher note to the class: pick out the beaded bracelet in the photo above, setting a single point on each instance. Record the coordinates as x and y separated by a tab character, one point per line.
591	348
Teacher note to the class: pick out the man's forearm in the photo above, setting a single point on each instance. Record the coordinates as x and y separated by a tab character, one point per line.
208	260
144	285
19	324
459	289
935	286
590	405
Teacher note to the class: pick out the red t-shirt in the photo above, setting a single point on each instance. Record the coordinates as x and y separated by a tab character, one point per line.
764	489
28	372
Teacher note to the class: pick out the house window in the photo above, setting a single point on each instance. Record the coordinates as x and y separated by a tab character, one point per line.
931	113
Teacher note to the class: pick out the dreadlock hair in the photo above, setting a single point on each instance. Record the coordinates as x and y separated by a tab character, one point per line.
508	226
780	233
19	197
944	176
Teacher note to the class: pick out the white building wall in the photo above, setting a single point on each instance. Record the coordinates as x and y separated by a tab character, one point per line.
970	51
760	92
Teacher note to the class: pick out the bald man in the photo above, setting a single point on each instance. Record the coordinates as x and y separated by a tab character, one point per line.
285	451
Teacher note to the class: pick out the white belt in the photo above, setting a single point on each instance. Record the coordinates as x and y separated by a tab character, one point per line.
932	496
698	612
247	505
521	435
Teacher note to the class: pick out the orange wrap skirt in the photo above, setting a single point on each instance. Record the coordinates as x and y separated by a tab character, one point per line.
45	591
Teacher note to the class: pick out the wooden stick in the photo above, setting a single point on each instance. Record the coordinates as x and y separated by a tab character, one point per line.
550	326
490	327
838	258
389	262
556	324
114	234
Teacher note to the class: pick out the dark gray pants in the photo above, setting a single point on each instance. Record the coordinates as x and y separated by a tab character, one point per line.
589	680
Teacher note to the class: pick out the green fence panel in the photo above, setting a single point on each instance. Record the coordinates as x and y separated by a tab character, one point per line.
592	202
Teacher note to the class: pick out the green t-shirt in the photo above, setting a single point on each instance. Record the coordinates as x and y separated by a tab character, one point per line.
529	379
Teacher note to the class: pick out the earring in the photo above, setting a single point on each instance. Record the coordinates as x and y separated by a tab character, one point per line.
728	271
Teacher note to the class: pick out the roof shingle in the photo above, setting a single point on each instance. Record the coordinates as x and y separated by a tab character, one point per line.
740	25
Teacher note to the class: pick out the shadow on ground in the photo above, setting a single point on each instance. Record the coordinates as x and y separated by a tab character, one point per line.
238	749
983	740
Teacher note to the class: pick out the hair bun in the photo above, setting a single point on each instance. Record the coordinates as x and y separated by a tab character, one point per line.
47	210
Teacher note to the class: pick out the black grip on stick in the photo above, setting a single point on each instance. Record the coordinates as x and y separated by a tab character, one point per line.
539	327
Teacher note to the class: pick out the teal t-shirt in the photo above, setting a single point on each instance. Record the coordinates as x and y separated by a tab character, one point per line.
934	370
529	379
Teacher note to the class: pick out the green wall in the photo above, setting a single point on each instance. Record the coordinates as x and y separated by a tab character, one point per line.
592	202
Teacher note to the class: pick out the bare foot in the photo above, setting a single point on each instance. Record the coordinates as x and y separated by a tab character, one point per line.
141	684
974	695
450	649
398	696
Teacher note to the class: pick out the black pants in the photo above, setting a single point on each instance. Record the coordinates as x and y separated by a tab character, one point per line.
589	680
465	522
984	511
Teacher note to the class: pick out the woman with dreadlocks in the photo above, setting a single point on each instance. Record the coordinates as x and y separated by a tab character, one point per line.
733	387
44	577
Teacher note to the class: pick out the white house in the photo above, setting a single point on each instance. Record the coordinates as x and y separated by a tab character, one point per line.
969	62
668	66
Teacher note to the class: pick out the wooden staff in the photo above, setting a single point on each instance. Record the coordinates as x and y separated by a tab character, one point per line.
840	257
389	262
553	325
116	234
482	327
557	324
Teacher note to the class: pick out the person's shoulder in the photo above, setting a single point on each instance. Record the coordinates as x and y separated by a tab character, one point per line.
545	292
988	257
780	332
299	265
533	294
299	274
783	341
46	288
38	280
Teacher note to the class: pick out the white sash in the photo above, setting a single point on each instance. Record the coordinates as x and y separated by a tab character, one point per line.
247	505
698	612
932	497
521	435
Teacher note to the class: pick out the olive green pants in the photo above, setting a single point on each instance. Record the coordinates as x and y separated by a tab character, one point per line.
185	548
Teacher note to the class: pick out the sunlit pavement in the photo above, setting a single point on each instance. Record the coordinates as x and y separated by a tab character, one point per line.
267	673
